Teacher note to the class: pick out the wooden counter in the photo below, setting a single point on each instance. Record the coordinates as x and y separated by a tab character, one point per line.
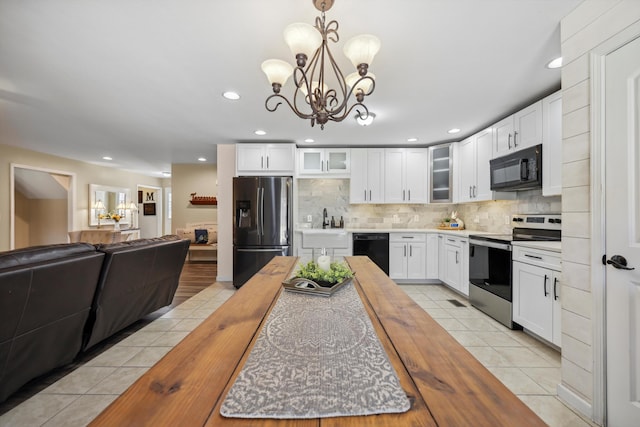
447	386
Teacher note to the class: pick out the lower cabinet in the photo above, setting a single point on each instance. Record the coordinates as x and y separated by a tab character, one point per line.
536	299
456	264
407	256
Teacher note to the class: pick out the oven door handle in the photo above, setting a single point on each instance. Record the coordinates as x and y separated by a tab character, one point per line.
495	245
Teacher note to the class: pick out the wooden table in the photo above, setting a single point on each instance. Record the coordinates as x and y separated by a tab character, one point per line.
447	386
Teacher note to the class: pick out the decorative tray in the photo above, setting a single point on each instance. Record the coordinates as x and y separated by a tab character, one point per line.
307	286
449	227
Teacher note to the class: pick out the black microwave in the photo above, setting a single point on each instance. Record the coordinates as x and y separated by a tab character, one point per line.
521	170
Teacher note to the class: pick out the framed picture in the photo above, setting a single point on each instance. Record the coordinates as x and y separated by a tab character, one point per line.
149	208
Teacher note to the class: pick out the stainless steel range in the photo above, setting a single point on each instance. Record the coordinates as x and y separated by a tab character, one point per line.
490	277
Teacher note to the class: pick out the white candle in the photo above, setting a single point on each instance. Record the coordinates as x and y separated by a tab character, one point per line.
324	262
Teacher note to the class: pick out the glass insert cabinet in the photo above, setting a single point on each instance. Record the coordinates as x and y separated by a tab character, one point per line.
441	173
319	161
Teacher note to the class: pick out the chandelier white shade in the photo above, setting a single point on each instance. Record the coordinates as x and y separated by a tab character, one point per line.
277	71
302	38
362	49
321	92
356	84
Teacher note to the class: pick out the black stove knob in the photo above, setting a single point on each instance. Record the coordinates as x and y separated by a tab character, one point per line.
517	219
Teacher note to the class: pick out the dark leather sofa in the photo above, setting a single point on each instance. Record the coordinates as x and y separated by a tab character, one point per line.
59	300
137	278
46	294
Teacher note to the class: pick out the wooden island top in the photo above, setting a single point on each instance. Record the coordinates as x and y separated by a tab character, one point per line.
446	385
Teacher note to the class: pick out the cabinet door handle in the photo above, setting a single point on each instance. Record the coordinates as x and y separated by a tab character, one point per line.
533	256
369	195
451	240
545	285
456	257
365	195
410	250
470	192
267	162
403	194
509	141
409	191
475	191
327	165
555	289
405	251
261	162
321	166
515	139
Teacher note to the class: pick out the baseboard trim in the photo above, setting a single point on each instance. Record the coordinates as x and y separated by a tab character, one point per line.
575	401
224	279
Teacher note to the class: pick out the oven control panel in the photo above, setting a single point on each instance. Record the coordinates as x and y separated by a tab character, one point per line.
540	221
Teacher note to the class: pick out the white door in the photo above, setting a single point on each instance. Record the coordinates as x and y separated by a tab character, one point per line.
622	139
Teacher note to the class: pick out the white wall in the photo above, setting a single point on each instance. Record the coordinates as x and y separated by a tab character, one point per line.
226	172
589	25
86	174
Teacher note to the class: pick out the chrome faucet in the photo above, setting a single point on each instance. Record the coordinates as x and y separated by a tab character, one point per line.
325	218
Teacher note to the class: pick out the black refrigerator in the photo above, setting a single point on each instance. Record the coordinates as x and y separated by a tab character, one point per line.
262	227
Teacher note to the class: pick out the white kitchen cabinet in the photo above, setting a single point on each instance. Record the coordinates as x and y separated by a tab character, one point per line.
407	256
265	159
536	292
433	251
456	270
323	161
367	175
552	145
475	180
520	130
441	173
406	175
442	258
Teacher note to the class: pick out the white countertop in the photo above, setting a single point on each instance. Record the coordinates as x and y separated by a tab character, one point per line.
547	246
461	233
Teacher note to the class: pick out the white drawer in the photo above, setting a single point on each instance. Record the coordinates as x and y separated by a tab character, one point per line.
542	258
407	237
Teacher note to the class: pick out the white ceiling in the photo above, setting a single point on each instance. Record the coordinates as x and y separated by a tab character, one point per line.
141	80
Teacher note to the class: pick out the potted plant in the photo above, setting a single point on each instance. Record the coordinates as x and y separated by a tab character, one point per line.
336	273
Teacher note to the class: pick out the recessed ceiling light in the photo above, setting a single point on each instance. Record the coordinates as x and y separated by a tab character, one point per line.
107	158
555	63
202	159
166	173
309	140
260	132
454	130
412	139
231	95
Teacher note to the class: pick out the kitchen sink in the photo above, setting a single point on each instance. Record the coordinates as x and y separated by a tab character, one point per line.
325	238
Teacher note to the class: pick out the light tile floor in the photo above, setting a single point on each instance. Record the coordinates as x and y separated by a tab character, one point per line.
526	366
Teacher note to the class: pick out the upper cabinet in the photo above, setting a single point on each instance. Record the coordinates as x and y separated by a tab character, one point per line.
406	175
367	175
265	159
552	145
474	154
313	162
441	174
520	130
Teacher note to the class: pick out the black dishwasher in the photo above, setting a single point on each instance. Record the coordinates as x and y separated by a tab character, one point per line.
375	246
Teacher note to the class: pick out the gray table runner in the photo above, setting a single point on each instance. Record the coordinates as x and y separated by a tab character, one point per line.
316	357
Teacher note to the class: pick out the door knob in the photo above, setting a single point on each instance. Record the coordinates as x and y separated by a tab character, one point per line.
619	262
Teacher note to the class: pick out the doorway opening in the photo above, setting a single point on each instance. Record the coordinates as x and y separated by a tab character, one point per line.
42	206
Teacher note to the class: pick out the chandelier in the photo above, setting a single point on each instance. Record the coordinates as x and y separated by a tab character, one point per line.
321	90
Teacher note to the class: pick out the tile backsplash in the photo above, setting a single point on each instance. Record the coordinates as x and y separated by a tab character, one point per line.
333	194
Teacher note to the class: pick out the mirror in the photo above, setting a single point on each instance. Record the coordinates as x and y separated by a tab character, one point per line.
114	199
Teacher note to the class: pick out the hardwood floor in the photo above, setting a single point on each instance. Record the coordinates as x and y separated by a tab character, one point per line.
195	276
